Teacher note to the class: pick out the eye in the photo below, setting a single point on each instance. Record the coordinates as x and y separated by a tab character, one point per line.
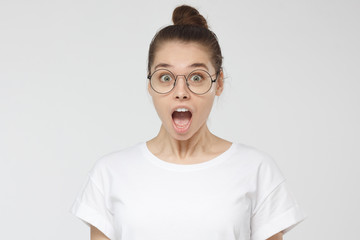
196	78
166	78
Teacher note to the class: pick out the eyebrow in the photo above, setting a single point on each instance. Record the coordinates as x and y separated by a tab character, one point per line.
162	65
194	65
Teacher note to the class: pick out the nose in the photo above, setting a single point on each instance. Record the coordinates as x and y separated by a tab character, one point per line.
181	90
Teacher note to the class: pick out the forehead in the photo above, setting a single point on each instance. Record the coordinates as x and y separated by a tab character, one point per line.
181	55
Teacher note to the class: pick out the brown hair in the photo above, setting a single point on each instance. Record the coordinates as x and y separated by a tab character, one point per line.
189	26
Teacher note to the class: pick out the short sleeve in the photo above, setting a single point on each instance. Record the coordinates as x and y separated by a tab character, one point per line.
279	211
90	207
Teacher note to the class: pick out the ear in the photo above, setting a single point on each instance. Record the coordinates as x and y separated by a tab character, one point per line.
220	83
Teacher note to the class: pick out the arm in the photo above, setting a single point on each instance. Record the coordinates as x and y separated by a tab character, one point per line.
278	236
96	234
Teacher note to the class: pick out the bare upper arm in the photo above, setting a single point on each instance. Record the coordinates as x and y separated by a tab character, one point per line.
278	236
96	234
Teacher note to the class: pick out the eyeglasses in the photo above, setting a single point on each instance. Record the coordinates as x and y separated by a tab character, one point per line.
198	81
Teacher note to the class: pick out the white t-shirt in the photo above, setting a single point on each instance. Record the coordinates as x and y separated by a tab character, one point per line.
239	195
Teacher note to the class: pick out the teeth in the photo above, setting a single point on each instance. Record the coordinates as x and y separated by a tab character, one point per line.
182	110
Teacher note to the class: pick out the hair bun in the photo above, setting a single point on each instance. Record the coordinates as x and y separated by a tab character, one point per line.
186	15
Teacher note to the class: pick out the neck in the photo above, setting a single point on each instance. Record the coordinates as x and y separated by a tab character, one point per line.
199	143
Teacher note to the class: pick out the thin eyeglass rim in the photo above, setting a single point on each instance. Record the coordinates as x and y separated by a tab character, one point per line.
186	80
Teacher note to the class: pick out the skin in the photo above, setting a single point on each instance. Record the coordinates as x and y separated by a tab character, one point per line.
278	236
197	144
96	234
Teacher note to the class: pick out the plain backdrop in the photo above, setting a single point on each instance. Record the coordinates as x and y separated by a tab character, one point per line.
73	88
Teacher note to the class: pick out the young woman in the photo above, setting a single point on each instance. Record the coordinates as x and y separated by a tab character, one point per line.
186	183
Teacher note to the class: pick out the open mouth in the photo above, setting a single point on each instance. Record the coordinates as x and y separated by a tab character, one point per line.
181	119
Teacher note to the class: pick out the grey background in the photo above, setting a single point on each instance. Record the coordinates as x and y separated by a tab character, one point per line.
73	88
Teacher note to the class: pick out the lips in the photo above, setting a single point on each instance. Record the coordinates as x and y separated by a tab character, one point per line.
181	119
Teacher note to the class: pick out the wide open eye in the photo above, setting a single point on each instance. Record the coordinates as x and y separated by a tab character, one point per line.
199	77
165	78
196	77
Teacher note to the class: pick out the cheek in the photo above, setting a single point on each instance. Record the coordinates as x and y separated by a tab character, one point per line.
160	107
205	108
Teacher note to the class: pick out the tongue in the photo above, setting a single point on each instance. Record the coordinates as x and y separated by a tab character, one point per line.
181	119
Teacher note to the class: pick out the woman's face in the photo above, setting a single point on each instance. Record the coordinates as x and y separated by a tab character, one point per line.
181	59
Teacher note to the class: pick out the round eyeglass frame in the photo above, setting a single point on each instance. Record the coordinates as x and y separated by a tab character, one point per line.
186	80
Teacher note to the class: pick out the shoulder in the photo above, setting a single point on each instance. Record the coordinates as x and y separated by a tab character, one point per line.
261	169
257	163
117	160
252	154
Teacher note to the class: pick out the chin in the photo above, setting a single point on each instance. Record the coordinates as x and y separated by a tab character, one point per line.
181	137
